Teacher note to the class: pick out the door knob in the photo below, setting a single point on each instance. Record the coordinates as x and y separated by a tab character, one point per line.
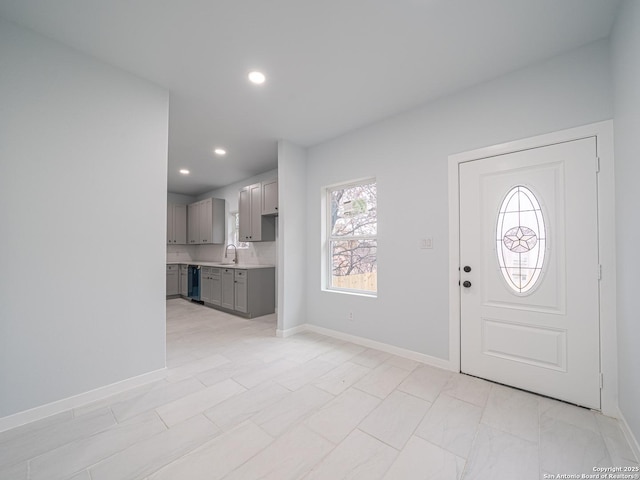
467	268
466	284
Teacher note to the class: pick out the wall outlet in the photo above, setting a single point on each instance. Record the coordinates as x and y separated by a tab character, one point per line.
426	242
350	316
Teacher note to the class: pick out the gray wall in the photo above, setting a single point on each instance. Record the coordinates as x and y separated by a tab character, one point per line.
625	46
83	175
408	156
292	237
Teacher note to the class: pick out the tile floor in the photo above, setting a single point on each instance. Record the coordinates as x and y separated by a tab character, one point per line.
239	403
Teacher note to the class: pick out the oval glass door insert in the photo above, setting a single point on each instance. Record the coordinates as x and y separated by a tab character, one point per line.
521	239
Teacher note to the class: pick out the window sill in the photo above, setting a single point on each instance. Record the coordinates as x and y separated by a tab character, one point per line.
349	292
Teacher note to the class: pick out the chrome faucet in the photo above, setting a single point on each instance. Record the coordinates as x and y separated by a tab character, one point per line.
226	250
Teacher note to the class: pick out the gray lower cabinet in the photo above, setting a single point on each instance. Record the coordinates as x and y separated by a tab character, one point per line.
205	284
184	280
228	288
247	292
240	294
216	286
211	286
173	280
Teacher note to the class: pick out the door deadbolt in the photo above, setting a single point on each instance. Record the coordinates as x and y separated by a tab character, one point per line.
467	268
466	284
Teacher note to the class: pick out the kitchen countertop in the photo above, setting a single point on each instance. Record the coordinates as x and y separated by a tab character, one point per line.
218	264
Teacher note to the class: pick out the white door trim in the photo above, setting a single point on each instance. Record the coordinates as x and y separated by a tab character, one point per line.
603	131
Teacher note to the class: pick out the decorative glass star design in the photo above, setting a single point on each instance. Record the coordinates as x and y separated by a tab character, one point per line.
520	239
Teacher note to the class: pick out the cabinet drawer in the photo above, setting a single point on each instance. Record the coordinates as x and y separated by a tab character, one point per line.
241	274
172	268
184	268
215	272
206	270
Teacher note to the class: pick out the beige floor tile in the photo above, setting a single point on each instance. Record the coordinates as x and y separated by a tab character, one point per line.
14	472
304	374
370	358
340	416
422	460
219	456
425	382
451	424
76	456
188	369
566	448
159	395
395	419
148	456
499	455
468	389
513	411
245	405
342	377
357	457
290	457
36	442
195	403
382	380
290	409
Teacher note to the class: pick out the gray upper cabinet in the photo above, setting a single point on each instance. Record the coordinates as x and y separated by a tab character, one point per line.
254	227
193	216
270	197
206	220
176	224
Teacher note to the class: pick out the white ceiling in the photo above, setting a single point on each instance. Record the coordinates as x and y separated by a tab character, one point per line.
332	65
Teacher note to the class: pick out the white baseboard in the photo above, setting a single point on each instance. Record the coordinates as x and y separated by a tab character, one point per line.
59	406
290	331
366	342
631	438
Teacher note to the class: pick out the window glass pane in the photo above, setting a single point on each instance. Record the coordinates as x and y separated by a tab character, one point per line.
353	210
354	265
521	239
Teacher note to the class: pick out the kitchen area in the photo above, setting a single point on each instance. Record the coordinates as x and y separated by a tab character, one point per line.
221	247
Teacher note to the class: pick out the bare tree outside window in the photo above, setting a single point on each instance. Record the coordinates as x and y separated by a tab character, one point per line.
352	237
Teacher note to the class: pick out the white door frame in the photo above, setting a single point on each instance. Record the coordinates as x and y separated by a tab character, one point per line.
603	131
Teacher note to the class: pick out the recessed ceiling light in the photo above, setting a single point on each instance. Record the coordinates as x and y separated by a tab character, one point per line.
257	77
184	171
220	151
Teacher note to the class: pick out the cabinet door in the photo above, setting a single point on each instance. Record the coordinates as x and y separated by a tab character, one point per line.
205	289
172	280
270	197
193	219
184	280
206	226
170	236
244	214
240	300
256	212
179	224
228	290
216	289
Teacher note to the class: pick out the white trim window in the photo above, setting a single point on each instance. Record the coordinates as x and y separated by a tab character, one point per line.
352	237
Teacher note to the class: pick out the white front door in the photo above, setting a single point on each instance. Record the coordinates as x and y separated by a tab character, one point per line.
529	270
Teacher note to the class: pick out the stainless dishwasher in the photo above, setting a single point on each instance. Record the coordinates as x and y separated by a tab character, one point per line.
193	291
